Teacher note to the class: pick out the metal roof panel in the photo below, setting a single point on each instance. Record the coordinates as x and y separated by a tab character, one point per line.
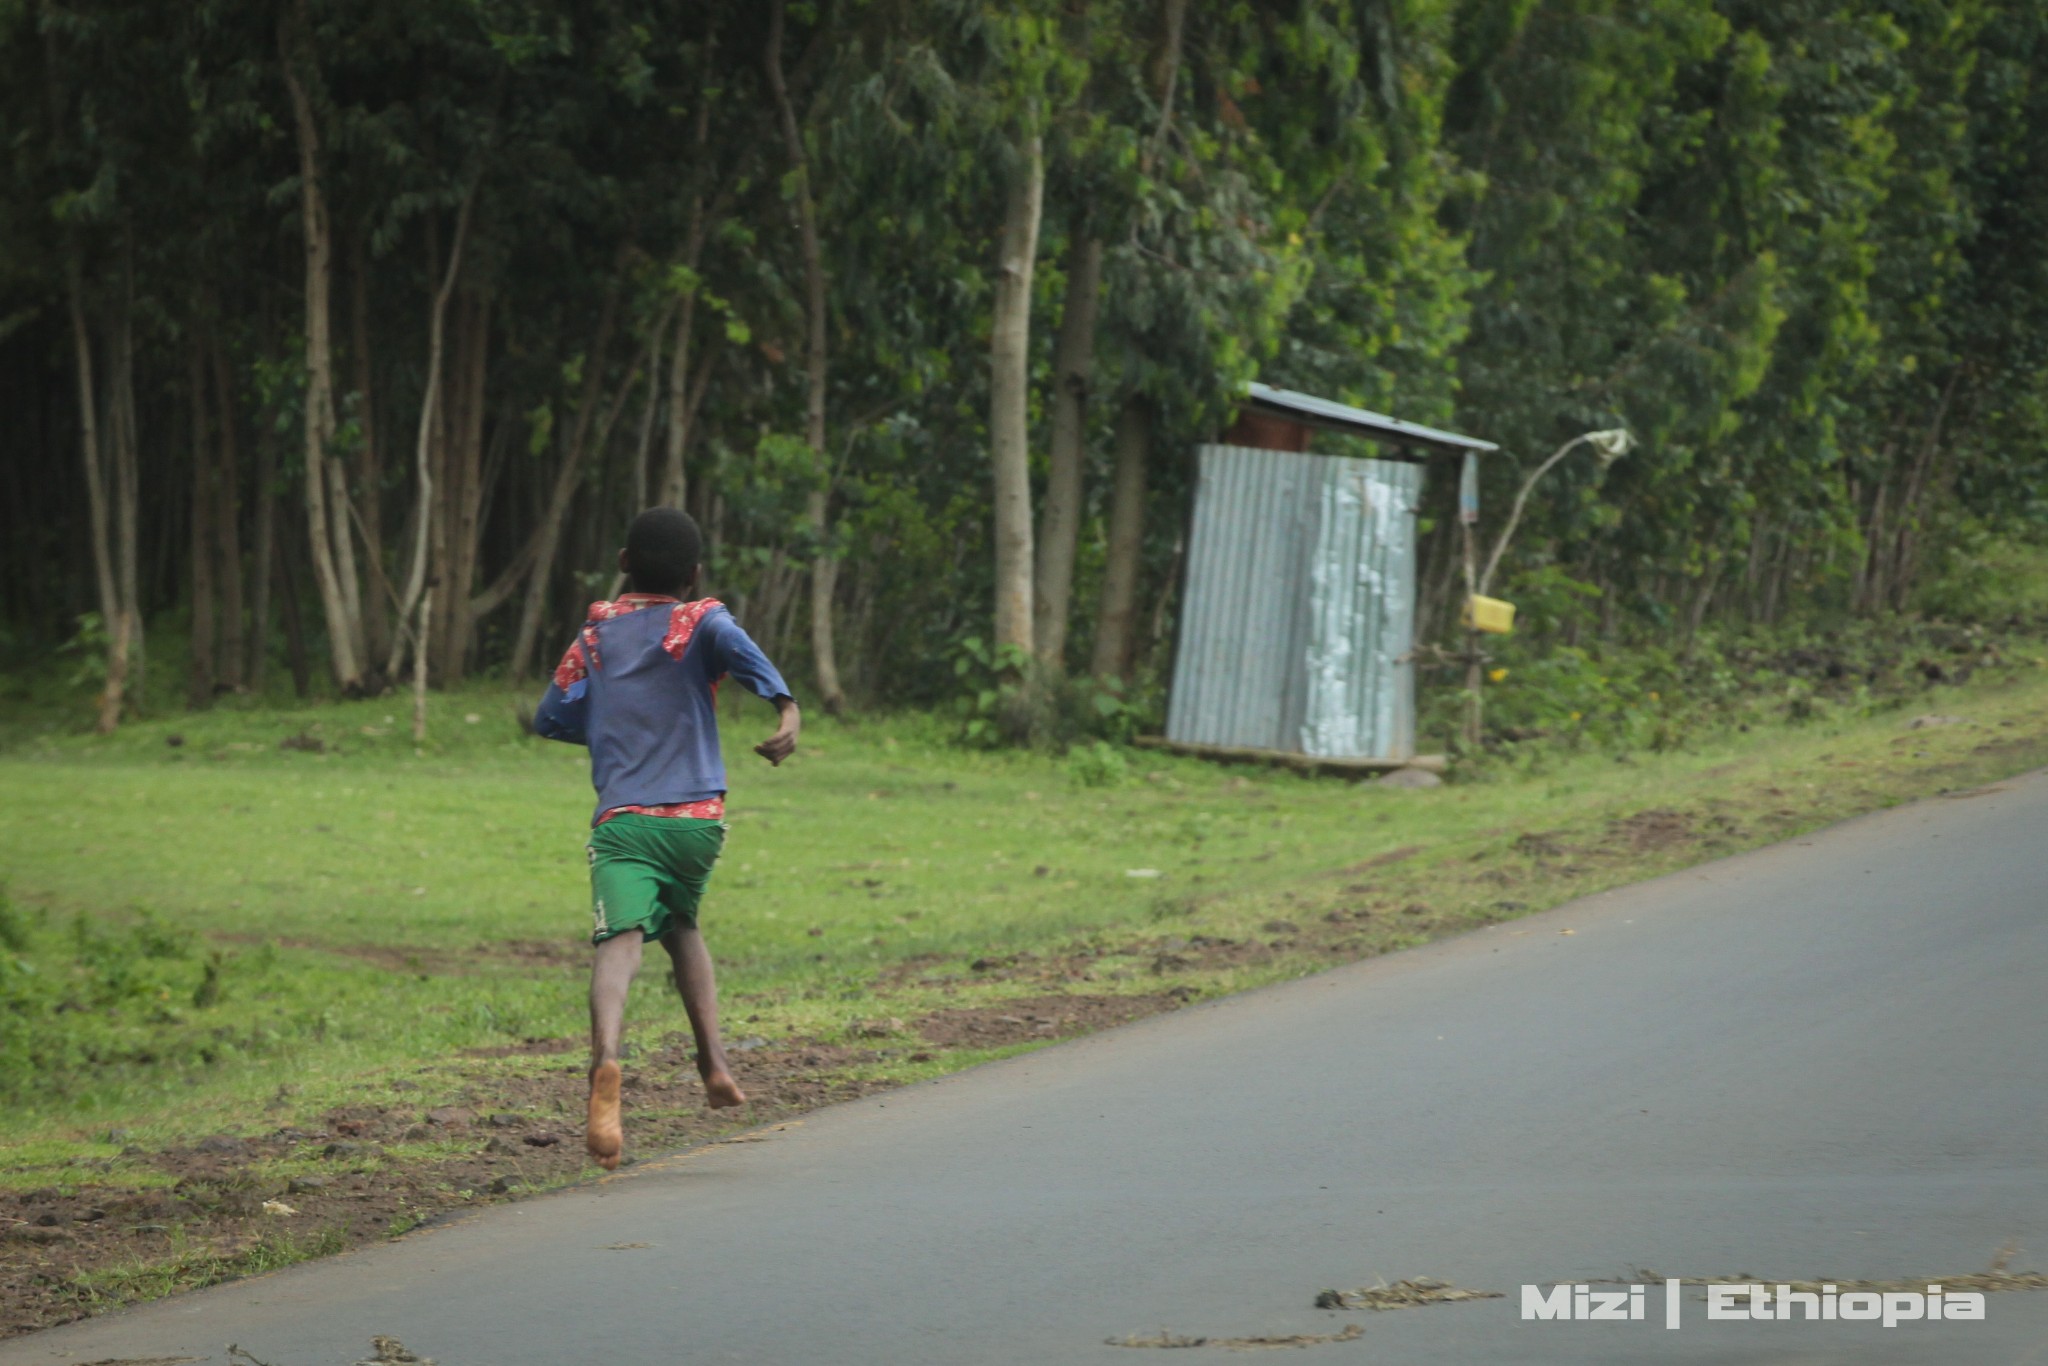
1361	421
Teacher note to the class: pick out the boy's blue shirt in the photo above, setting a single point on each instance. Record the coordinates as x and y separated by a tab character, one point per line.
639	686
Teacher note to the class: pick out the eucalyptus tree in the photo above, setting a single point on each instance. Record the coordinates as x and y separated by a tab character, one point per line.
104	155
1205	272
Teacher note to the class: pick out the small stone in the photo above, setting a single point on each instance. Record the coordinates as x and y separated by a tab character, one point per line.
91	1216
503	1185
500	1148
1409	777
48	1219
42	1235
1281	927
543	1140
981	964
227	1145
150	1228
301	1184
749	1044
417	1133
339	1149
450	1114
506	1121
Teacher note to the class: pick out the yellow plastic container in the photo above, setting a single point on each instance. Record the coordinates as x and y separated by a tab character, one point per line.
1489	614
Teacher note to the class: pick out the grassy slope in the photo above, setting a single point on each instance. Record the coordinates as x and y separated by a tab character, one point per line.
386	925
381	906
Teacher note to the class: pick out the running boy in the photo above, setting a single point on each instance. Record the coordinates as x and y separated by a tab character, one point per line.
639	687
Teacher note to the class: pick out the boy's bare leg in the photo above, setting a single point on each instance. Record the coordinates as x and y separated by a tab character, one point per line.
611	974
699	990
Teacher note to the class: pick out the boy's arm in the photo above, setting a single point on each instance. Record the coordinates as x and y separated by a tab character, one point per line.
564	711
735	653
782	743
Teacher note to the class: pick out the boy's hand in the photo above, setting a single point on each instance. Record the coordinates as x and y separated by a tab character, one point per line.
782	743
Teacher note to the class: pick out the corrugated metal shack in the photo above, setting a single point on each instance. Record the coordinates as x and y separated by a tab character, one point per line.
1298	616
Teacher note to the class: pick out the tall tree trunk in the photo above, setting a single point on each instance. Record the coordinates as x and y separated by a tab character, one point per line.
423	445
1870	584
458	541
199	677
824	565
263	562
369	481
1914	502
233	670
287	588
643	444
1059	527
111	611
575	442
127	510
674	481
682	401
1010	393
1117	614
330	545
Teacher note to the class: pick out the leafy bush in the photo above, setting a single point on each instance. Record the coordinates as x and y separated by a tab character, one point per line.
1543	692
1098	764
1007	698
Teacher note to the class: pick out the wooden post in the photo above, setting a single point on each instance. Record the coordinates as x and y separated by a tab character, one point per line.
1475	678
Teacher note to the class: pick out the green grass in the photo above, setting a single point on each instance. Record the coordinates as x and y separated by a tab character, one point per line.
188	1266
371	910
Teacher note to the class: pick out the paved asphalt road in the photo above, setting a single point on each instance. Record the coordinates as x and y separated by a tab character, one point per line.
1828	1059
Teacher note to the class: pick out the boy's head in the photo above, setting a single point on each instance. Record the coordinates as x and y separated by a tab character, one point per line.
663	551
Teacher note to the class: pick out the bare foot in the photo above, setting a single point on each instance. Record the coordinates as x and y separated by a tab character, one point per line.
604	1136
721	1091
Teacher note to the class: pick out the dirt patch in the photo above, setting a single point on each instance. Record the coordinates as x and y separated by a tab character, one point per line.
480	1133
1035	1017
484	956
1649	832
538	952
526	1048
1392	856
390	957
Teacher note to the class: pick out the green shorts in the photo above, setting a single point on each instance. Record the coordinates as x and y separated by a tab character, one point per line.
648	873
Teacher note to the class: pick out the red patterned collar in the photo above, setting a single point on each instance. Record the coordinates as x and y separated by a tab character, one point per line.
683	619
628	602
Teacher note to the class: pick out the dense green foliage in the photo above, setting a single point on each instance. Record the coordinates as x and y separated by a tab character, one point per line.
560	267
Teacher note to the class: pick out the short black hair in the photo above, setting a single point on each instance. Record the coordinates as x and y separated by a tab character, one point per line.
663	550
